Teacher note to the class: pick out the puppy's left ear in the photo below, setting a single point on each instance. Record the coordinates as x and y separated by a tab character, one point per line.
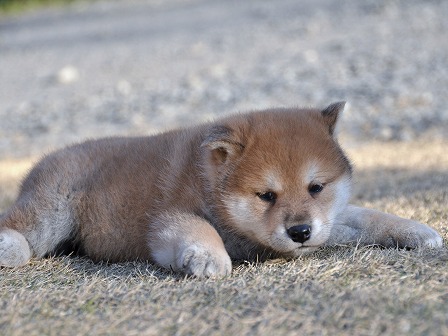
331	114
223	143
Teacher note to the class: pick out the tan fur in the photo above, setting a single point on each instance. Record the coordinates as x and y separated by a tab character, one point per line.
192	199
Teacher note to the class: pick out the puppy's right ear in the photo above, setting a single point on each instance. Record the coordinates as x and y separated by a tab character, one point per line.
223	144
331	115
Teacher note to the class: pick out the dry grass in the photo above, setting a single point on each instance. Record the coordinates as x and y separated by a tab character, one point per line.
350	291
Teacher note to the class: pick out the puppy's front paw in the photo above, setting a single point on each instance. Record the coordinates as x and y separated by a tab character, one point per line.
201	262
411	234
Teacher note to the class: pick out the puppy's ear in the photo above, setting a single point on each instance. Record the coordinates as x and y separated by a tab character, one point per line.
223	143
331	114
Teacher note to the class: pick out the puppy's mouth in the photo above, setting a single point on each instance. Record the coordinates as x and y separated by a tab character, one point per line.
294	249
303	250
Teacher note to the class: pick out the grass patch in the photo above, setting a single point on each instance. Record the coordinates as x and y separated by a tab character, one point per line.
338	290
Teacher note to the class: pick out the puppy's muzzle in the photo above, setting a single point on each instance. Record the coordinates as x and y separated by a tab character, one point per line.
300	233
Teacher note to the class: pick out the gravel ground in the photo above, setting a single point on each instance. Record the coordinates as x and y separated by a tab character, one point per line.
135	67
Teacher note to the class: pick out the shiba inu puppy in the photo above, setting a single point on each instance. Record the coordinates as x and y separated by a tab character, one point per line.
258	185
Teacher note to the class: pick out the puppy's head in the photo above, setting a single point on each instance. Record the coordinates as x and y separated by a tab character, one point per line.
279	177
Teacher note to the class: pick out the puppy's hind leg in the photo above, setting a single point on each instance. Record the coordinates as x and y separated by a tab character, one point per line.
34	226
44	214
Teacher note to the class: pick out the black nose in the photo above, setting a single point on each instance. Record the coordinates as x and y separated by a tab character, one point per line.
300	233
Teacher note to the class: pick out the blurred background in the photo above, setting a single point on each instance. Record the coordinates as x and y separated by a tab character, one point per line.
71	70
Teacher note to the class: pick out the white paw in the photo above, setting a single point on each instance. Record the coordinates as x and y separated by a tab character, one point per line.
415	235
430	238
202	262
14	249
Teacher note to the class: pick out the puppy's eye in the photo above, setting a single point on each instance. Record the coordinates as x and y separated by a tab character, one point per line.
315	188
268	196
